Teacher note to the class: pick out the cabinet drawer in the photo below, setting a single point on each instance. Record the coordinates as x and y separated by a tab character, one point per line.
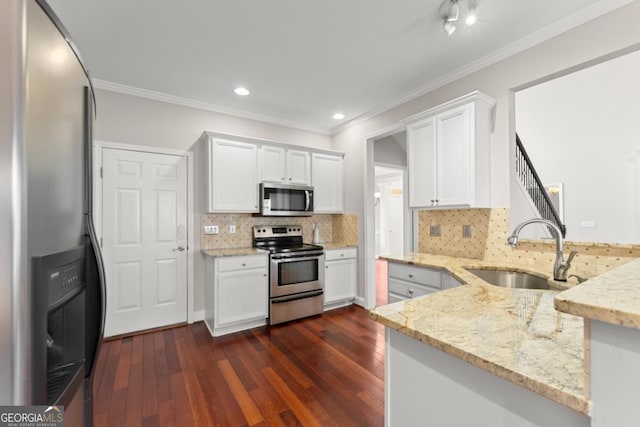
335	254
242	262
419	275
408	290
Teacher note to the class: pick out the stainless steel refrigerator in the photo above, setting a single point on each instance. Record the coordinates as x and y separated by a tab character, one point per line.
52	283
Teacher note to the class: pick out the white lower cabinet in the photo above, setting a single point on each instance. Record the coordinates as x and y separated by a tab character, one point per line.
237	293
340	277
409	281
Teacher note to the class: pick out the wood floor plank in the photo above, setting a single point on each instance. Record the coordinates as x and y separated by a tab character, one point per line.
246	403
133	413
197	401
149	383
124	363
297	407
325	370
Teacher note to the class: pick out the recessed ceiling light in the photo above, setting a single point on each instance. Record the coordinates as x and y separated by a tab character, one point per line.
338	116
471	18
242	91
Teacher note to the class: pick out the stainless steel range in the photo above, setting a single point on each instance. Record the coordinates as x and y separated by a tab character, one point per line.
296	272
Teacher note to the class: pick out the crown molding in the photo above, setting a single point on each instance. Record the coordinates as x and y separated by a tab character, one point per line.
563	25
192	103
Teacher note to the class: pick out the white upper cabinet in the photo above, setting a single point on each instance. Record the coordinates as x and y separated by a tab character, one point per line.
232	176
286	166
328	183
272	159
234	167
448	152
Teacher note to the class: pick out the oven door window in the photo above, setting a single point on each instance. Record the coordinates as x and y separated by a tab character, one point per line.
290	273
283	199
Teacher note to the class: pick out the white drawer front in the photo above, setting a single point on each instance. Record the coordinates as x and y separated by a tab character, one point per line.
409	290
334	254
241	262
420	275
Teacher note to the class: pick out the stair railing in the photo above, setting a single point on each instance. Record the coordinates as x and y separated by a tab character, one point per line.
532	183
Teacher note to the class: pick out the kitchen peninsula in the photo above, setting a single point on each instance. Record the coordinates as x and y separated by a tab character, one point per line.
527	364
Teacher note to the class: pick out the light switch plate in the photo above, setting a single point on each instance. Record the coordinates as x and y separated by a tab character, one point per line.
211	229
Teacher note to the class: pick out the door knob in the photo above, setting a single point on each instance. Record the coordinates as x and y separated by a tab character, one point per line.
179	249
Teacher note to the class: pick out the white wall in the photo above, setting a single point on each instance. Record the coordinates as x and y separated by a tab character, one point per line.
133	120
588	42
583	130
391	150
138	121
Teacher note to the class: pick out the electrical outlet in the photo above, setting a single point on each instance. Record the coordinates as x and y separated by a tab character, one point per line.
232	229
210	229
467	231
435	230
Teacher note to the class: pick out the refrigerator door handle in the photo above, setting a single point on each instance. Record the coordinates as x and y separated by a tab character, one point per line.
101	276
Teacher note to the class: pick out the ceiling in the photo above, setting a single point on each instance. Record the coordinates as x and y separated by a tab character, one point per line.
302	60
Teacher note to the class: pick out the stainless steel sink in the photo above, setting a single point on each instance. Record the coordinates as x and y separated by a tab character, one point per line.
510	278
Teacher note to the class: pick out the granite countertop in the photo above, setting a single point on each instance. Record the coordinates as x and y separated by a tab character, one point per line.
457	268
336	245
515	334
215	253
612	297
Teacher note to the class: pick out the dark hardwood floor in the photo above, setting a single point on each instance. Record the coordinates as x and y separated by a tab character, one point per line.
326	370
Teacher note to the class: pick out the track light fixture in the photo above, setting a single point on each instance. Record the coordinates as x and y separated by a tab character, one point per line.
451	10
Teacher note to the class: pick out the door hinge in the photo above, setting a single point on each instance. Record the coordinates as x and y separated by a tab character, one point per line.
100	241
100	171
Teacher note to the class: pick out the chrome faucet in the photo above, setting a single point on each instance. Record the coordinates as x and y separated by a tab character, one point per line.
560	266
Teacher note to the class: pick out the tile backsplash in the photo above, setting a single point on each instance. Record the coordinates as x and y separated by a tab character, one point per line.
333	228
490	230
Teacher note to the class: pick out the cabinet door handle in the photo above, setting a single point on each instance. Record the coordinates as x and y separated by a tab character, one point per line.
264	275
244	265
289	179
411	275
410	291
326	267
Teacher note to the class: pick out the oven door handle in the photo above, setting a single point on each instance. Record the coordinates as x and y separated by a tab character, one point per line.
296	297
295	259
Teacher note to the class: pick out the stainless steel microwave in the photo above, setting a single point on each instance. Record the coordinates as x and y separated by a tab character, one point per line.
285	200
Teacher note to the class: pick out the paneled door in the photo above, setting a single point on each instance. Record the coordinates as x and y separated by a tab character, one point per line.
144	214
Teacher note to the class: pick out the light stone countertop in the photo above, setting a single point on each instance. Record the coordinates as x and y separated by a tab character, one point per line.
336	245
515	334
457	268
612	297
215	253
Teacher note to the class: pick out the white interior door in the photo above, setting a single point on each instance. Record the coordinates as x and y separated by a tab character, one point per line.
144	214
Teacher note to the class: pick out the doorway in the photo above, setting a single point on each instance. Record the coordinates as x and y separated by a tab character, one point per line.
389	210
393	221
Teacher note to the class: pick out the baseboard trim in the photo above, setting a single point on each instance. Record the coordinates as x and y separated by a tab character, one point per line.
197	316
360	301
